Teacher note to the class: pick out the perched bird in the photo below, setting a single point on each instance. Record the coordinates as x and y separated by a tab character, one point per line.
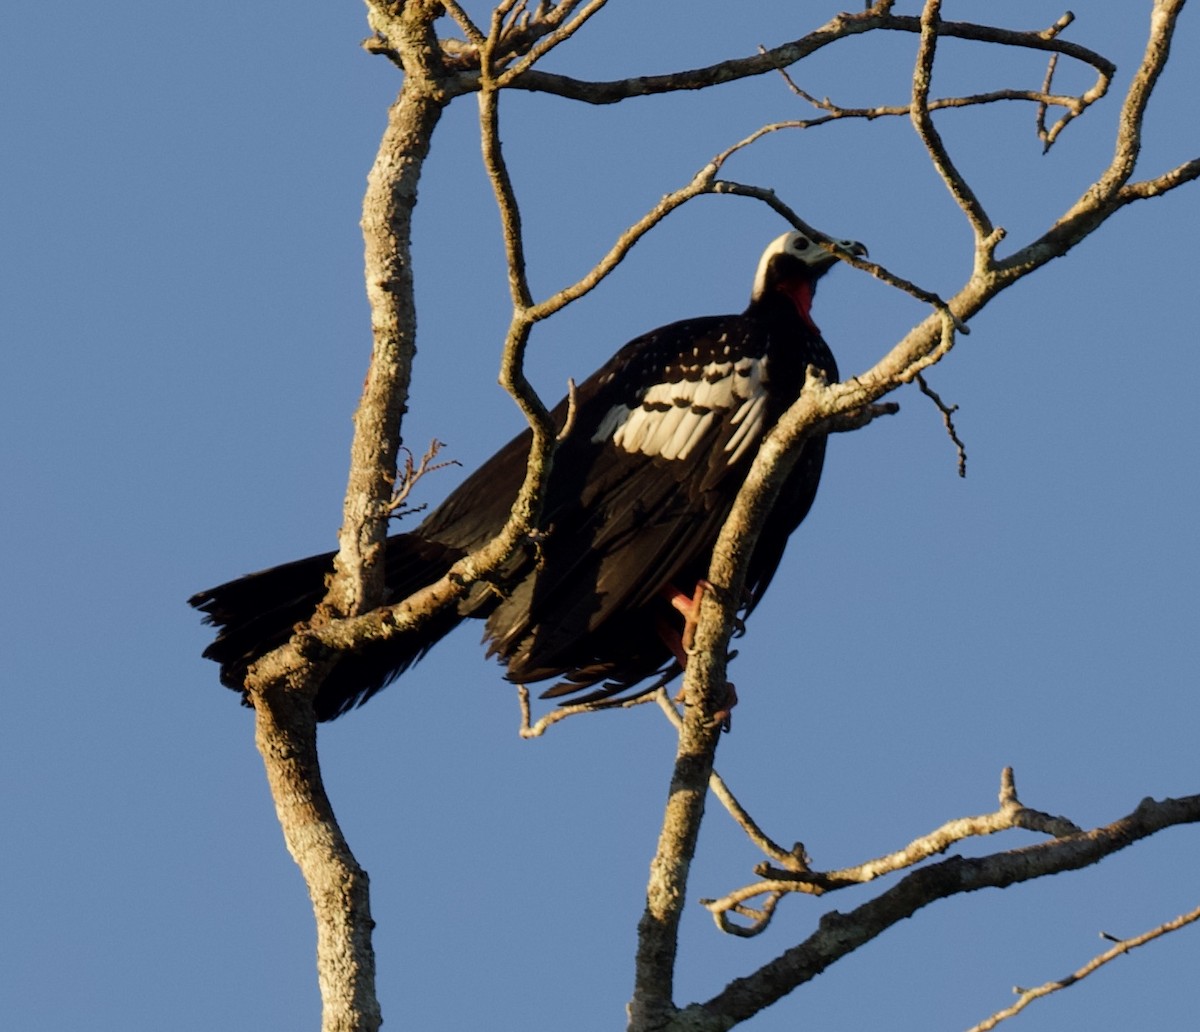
662	439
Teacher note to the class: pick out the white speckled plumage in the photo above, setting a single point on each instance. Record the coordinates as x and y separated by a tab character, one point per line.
675	416
638	492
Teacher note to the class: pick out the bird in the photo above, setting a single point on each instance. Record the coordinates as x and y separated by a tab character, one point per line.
660	440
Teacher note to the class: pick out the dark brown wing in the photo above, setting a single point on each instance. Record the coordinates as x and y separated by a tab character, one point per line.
639	492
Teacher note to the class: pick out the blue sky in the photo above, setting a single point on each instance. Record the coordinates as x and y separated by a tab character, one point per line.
185	335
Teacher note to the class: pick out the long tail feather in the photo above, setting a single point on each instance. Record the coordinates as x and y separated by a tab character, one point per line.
257	613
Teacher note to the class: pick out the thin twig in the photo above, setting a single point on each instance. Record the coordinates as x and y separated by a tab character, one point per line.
880	273
840	934
1011	814
947	412
470	29
413	472
527	506
1027	996
560	34
840	27
1043	98
793	859
572	409
962	193
529	729
1040	120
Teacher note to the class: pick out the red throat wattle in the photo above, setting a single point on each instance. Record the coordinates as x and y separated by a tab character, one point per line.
800	291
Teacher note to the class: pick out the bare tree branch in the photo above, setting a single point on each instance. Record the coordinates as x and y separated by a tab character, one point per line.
463	20
1043	98
1161	184
793	859
947	412
285	733
963	195
652	1005
357	584
513	32
531	729
842	26
411	474
923	346
560	33
1027	996
1011	814
1108	193
281	685
841	934
878	271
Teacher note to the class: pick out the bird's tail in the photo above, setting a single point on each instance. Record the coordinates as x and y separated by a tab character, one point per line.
257	613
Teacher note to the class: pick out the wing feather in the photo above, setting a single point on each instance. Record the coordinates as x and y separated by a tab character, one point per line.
635	500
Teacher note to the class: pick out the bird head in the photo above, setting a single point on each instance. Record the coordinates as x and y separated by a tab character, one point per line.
792	264
796	256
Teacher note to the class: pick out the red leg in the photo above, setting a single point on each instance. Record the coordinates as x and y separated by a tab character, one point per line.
681	644
689	606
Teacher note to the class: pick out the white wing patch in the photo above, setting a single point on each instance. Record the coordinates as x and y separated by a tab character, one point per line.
674	417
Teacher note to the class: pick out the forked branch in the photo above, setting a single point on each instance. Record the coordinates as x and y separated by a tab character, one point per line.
777	882
505	56
924	345
838	934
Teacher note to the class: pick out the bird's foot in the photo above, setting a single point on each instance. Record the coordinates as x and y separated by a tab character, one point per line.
723	717
689	607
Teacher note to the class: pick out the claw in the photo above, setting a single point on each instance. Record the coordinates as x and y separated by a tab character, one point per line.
682	644
689	606
724	716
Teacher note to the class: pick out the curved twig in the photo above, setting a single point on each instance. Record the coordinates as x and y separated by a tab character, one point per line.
947	412
962	193
878	17
841	934
1010	814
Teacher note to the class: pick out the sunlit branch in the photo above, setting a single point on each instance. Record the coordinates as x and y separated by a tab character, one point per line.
842	26
962	193
535	729
282	682
1112	189
1073	105
880	273
792	859
560	34
840	934
1011	814
470	29
1027	996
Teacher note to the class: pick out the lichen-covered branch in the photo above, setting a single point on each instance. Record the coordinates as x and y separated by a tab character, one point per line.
925	344
793	859
652	1004
390	199
285	733
281	685
839	934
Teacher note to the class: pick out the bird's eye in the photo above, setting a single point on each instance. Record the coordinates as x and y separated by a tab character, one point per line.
800	244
